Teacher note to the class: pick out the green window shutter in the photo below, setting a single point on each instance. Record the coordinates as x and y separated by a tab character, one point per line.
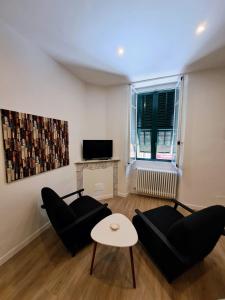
165	110
164	123
145	111
155	114
145	122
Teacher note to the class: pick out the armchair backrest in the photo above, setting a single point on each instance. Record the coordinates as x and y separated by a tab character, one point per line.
59	213
197	234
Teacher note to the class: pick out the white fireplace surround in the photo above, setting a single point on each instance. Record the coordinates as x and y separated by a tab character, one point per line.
94	165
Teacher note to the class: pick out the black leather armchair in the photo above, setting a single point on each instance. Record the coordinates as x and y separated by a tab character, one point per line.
74	222
175	242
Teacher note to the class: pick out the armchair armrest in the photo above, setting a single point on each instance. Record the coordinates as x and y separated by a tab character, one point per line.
162	237
182	205
73	193
68	195
82	219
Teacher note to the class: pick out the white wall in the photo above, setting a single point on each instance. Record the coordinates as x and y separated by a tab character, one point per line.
112	105
95	114
32	82
108	110
117	129
203	180
97	183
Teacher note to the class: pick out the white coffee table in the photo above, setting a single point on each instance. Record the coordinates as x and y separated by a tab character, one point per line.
125	236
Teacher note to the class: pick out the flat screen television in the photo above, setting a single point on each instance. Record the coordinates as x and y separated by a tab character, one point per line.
97	149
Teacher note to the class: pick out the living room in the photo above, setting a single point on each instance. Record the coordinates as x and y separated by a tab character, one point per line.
55	64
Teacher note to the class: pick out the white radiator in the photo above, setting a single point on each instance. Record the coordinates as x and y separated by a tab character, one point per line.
156	183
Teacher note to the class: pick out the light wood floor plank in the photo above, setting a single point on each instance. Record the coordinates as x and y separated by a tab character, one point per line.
44	270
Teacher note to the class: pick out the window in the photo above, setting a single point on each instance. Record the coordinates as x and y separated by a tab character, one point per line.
155	117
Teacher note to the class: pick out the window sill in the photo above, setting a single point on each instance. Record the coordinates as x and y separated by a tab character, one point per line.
156	164
156	160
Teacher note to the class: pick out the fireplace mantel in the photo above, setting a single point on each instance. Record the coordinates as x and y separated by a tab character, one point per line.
94	165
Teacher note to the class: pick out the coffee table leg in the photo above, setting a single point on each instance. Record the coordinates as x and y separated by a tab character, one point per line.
132	267
93	258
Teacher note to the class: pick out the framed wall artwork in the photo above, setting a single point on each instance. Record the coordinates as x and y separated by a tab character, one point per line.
33	144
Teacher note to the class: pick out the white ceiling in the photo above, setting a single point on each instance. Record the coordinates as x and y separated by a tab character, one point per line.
158	35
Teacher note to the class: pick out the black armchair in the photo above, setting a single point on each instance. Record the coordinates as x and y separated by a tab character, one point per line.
175	242
74	222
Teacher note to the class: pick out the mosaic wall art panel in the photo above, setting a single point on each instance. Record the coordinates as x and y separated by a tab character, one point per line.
33	144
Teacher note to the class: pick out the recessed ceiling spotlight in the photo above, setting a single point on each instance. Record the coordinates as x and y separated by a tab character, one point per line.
201	28
120	51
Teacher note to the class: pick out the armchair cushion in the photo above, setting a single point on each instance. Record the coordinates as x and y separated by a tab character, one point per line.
163	217
83	205
197	234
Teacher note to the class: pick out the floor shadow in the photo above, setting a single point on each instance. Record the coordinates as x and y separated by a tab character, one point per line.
112	266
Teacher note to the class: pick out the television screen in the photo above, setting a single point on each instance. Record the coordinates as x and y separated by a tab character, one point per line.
97	149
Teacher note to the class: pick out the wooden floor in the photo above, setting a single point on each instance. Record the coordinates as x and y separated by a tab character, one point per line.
44	270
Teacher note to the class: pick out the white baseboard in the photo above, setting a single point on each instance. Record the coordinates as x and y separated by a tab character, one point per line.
108	196
24	243
194	206
124	195
103	197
